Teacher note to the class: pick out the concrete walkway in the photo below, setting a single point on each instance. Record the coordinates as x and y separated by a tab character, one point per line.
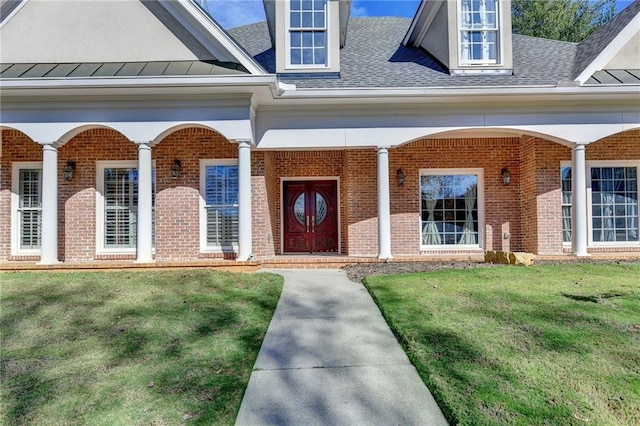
329	358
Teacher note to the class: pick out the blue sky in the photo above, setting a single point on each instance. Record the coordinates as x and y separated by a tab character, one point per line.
233	13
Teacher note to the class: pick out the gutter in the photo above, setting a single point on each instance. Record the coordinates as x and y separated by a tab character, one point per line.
286	91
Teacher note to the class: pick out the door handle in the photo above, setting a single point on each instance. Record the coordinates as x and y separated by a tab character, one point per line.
307	223
313	224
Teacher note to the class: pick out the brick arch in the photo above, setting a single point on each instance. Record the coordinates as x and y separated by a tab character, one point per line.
487	132
84	128
14	146
624	145
189	127
177	200
77	198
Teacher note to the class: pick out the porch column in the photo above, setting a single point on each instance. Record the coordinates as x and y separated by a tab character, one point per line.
49	238
384	209
144	244
579	218
245	248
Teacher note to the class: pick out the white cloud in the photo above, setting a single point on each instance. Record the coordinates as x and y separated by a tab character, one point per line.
358	9
234	13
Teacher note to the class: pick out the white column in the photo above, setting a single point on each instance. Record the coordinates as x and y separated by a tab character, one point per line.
145	212
579	218
49	241
245	248
384	208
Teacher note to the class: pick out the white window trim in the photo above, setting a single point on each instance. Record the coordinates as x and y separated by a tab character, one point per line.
100	166
287	41
601	163
480	196
204	248
606	163
499	48
564	164
15	203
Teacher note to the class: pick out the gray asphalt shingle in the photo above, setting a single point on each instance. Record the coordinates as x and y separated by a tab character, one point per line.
590	47
375	57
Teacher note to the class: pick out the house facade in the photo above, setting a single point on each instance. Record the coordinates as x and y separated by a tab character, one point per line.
144	132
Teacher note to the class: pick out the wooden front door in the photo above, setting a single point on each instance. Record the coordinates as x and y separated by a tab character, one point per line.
310	216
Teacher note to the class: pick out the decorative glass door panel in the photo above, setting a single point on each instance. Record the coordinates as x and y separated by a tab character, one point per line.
310	217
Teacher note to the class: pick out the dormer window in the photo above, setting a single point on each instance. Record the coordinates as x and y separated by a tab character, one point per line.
479	32
307	38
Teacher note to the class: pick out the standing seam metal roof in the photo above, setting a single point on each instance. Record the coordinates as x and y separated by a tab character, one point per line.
120	69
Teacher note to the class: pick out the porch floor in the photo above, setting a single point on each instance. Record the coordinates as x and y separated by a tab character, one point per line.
281	262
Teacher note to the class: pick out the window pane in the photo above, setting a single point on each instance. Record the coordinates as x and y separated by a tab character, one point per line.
318	20
30	208
319	4
120	194
307	39
566	204
307	19
296	57
449	209
318	38
295	19
615	217
307	56
296	39
221	198
319	56
295	4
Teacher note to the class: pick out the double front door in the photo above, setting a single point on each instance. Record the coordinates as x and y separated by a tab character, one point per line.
310	216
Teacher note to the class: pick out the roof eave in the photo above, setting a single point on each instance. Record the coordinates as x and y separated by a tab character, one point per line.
456	94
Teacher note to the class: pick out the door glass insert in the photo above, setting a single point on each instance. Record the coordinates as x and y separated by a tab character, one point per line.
298	209
321	208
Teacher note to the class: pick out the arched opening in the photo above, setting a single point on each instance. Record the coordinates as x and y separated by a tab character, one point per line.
456	198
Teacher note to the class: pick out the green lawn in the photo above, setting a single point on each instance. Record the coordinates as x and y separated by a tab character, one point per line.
130	348
515	345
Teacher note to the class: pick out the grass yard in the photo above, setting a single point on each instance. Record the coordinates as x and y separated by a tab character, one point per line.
515	345
126	348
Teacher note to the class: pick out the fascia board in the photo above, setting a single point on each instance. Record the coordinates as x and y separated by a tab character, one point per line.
611	50
208	32
13	12
232	80
266	86
461	92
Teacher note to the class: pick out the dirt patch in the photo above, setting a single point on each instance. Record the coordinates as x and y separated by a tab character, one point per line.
361	270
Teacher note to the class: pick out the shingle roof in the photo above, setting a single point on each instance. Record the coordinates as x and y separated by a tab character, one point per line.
591	47
374	57
121	69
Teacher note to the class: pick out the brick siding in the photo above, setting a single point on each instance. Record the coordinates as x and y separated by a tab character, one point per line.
528	209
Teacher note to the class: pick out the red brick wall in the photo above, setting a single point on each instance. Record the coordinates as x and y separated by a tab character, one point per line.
177	200
529	209
623	146
361	199
501	203
303	164
77	198
261	189
541	195
16	146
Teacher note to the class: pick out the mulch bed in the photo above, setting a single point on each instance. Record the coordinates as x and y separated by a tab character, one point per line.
361	270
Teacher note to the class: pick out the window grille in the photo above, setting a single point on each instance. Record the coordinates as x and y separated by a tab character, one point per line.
30	208
221	205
